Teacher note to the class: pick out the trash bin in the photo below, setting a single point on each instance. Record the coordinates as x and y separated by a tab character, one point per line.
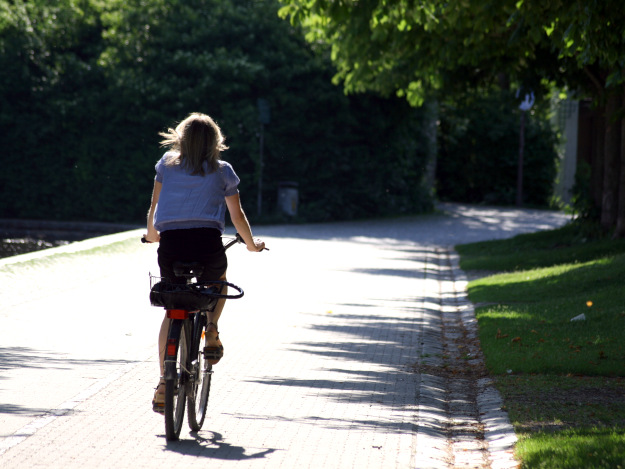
288	195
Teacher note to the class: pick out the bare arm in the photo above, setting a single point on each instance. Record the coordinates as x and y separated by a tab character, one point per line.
239	220
153	236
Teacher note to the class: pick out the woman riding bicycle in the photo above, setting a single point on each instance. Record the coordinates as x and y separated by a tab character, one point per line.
192	189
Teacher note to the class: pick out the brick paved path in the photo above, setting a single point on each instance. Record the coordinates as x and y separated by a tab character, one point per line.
330	360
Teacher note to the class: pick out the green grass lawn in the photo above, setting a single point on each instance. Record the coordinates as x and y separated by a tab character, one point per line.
544	249
563	381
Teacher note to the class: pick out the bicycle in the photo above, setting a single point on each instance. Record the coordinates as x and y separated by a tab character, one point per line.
187	373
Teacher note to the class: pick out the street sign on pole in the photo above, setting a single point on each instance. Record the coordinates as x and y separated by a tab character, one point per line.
264	117
525	106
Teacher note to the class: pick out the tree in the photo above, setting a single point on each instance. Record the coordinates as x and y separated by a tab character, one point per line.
589	36
90	83
412	48
171	56
48	51
418	48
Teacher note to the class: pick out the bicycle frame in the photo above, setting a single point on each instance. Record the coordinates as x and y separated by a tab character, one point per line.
171	348
187	375
181	318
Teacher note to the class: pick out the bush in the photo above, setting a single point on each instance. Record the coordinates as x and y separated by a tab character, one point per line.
89	96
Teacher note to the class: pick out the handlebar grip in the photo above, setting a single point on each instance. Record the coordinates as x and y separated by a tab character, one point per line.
239	239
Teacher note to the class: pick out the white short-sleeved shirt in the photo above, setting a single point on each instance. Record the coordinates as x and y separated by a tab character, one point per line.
193	201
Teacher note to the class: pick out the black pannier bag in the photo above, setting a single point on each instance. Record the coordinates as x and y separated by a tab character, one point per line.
180	296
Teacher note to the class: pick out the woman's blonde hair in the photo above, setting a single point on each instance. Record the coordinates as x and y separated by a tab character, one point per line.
197	139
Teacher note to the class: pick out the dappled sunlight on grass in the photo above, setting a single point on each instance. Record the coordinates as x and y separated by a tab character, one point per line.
542	338
504	312
552	330
589	448
529	286
565	245
530	329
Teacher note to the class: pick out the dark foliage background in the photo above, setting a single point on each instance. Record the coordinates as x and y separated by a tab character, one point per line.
479	150
87	85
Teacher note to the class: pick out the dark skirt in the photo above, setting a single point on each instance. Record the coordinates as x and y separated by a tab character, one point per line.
192	245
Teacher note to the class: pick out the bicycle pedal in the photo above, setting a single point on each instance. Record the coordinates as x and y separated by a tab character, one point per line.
213	353
158	407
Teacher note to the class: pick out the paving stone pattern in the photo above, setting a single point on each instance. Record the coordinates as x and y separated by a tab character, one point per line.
341	355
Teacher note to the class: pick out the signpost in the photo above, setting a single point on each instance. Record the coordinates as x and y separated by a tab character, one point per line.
525	106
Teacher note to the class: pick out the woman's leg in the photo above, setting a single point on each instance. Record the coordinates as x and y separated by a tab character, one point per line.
162	342
158	403
213	346
213	316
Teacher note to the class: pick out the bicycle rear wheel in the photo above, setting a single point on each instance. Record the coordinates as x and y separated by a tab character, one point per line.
176	377
200	379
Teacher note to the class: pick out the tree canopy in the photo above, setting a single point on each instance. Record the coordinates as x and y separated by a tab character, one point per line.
421	48
88	84
416	47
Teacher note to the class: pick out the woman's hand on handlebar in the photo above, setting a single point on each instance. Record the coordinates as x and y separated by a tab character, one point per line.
259	245
151	238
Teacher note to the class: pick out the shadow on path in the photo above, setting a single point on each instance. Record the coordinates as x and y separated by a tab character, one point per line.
214	448
24	357
367	356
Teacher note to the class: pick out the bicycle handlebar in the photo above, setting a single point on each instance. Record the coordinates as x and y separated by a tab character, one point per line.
237	239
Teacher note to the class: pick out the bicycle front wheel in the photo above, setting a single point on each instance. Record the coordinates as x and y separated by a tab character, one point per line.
176	377
200	379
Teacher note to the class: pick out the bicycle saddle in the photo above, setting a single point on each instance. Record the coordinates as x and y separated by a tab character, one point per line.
188	269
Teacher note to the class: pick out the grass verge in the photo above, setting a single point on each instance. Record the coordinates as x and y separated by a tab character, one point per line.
562	380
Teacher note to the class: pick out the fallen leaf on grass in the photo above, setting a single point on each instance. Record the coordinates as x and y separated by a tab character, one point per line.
500	335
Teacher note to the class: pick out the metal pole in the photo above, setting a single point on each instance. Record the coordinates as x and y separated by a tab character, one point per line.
519	179
260	171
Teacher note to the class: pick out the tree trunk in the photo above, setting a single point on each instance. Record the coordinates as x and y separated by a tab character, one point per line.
504	81
620	215
609	200
597	158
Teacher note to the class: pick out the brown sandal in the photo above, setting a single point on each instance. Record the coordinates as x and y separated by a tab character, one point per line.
158	403
215	351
